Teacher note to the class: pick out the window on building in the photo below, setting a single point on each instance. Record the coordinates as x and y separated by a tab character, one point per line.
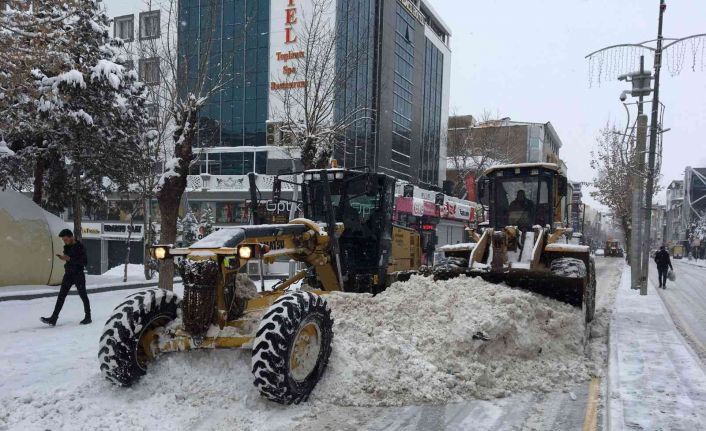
149	71
149	25
124	28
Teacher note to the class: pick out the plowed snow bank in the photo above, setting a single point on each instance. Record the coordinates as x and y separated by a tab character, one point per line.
432	342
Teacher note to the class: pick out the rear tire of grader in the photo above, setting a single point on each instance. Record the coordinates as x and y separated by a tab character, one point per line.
121	354
292	347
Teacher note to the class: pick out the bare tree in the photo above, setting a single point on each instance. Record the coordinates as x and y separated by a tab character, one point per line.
185	101
475	145
162	96
613	161
314	77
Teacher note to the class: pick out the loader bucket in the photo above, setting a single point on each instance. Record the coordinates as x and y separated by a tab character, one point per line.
564	289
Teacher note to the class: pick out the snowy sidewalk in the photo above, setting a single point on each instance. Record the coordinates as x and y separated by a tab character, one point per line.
655	381
109	281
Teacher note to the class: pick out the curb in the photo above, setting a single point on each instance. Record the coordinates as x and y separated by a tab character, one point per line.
89	290
28	296
614	411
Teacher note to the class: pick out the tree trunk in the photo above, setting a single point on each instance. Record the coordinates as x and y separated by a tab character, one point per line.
628	234
169	198
146	236
77	206
40	168
169	194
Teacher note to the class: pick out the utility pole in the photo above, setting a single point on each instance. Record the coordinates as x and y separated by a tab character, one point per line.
639	269
653	148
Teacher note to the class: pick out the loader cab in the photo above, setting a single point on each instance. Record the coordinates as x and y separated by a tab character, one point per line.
524	195
363	201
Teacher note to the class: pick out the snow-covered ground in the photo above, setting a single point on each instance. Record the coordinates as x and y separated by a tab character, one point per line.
112	277
419	343
656	380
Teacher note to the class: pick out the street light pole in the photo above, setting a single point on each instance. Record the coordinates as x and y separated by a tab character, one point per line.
653	148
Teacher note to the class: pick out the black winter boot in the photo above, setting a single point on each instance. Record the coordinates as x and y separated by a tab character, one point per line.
51	321
86	320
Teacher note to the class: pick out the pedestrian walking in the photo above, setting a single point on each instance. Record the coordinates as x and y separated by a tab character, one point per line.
696	247
663	264
76	260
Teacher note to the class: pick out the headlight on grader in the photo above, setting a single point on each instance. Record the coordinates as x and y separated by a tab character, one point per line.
160	252
245	252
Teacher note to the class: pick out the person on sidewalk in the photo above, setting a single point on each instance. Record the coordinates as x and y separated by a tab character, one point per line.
76	260
663	264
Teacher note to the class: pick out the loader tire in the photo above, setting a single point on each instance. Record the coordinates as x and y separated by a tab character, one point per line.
568	267
121	355
292	347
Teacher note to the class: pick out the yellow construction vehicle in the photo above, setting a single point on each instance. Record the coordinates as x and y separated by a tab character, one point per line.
525	243
348	243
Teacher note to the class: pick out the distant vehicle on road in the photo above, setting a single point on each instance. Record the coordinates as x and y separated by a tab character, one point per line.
600	252
678	251
613	249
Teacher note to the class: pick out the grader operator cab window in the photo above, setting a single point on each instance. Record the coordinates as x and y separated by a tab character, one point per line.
522	202
354	201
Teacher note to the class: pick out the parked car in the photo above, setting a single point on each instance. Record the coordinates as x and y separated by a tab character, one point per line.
600	252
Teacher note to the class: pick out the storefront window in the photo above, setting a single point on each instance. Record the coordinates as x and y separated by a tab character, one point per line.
231	212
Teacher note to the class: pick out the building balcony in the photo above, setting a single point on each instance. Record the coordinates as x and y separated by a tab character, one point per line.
208	182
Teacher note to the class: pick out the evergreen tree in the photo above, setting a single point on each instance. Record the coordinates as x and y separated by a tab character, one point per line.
206	222
95	109
188	226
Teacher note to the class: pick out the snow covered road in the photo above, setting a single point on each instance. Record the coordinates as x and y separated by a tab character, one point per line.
50	380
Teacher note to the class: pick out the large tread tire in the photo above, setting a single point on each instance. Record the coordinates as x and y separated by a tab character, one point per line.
274	342
568	267
119	344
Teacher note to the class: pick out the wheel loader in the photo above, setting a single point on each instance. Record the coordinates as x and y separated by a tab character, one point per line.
524	242
348	243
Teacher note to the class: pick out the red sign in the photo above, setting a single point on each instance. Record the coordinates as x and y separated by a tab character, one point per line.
291	18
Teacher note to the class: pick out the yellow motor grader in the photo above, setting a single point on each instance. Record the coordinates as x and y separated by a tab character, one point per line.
348	243
524	242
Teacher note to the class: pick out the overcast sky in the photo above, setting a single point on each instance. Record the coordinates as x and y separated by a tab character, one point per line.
525	60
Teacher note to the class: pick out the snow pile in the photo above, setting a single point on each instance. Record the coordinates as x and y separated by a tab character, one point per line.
134	270
434	342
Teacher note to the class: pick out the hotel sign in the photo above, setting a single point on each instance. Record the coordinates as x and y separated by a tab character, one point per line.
413	10
290	37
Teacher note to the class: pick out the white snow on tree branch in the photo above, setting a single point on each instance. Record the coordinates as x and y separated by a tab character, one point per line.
107	69
72	77
82	115
170	170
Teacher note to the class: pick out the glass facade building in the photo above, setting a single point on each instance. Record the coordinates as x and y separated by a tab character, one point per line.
401	85
402	93
233	37
357	39
394	99
431	116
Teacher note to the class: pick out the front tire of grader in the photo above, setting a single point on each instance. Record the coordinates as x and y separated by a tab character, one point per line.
292	347
122	356
573	268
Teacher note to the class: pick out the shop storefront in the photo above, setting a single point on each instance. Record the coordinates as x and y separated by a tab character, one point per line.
106	245
437	224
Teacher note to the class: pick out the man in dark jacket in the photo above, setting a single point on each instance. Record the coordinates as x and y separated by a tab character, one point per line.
76	260
663	263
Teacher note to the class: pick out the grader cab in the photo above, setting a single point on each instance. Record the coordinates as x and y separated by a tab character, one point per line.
525	243
348	243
